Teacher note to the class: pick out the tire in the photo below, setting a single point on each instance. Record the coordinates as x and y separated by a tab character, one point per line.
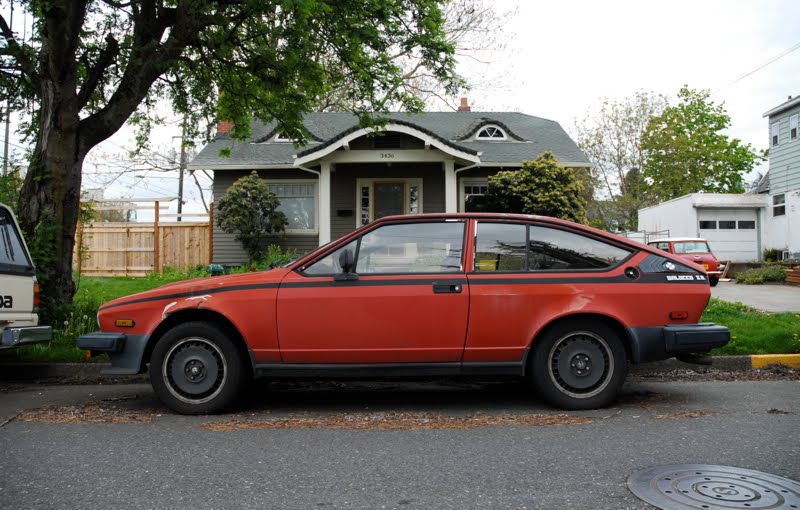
580	364
196	368
713	280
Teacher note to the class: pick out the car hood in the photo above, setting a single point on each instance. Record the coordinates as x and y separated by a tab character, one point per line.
200	285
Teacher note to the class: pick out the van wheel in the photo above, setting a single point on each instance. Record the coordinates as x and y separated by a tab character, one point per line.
713	280
579	364
196	369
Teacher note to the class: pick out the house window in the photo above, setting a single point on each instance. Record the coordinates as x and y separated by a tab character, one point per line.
747	225
727	224
298	201
473	195
491	133
779	205
708	225
794	120
387	197
281	137
774	131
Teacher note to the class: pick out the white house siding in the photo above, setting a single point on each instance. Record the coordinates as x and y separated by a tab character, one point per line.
676	215
783	232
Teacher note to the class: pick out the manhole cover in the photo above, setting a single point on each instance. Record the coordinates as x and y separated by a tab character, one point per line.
704	487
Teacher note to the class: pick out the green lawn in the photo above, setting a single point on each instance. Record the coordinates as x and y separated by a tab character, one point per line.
752	332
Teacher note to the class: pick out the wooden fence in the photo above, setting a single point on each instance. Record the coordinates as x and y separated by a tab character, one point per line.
139	248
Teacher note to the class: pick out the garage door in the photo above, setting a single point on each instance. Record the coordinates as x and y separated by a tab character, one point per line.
732	233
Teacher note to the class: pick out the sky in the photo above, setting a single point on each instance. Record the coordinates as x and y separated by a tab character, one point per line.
562	58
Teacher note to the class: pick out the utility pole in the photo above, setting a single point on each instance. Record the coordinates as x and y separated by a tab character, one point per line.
182	168
8	102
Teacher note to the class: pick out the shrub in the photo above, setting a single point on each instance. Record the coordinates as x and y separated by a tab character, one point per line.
768	273
771	254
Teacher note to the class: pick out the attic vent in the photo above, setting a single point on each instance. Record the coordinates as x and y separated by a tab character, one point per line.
491	133
388	141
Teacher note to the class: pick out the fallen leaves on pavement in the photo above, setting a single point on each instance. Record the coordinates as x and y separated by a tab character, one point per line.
396	421
101	411
684	414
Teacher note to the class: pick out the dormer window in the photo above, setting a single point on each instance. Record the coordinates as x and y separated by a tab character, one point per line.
491	133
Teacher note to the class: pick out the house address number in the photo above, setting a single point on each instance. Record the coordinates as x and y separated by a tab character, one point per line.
6	301
386	155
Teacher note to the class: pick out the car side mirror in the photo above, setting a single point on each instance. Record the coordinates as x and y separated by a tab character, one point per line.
347	264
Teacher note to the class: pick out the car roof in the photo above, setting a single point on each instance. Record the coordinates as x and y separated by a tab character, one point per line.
677	239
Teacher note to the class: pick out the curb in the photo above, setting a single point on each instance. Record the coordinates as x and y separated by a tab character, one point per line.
91	373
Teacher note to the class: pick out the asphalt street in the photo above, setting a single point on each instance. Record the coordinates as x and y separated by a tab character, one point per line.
444	444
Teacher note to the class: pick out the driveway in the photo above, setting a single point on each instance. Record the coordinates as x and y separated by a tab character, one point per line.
767	297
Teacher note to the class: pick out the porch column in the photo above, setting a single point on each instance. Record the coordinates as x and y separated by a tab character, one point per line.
450	187
324	203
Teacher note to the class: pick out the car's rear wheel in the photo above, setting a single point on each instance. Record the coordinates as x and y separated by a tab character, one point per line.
579	364
195	368
713	280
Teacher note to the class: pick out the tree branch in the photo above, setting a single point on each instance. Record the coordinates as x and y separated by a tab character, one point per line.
94	74
26	64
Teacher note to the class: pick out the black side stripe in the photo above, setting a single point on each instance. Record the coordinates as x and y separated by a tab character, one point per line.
648	278
194	293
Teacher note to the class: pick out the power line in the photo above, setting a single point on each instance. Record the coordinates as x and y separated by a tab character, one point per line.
761	66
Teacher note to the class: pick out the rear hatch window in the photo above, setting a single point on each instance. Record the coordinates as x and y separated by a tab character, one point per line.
13	256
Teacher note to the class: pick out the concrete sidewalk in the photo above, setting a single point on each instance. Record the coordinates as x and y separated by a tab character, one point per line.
768	297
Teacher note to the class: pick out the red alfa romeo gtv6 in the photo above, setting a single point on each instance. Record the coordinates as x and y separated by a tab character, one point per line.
564	305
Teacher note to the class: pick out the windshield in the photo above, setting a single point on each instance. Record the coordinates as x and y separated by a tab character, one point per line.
691	247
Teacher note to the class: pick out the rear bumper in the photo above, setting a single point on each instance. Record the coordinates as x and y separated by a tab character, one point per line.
25	335
653	344
126	351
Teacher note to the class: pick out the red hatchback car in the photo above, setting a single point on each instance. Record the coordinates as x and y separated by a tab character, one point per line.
564	305
694	250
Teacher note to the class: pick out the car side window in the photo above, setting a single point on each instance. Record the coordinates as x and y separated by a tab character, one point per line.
555	249
329	264
11	251
663	246
408	248
500	247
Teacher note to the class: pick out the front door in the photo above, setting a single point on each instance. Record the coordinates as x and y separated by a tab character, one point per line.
387	197
409	303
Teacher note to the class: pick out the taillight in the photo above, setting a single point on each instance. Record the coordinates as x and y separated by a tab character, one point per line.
35	297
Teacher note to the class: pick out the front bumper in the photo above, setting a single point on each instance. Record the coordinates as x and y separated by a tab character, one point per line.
126	351
653	344
25	335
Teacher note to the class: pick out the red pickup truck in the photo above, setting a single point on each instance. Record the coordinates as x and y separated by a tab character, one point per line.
564	305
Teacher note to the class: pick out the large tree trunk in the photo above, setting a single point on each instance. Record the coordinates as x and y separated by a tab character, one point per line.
49	201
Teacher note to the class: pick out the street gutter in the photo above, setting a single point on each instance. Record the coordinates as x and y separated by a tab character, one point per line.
82	373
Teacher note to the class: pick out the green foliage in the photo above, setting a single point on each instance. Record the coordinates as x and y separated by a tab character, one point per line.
10	185
540	187
768	273
754	332
771	254
611	137
249	211
687	152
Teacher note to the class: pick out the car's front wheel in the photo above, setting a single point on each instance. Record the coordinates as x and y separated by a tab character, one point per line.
713	280
579	364
195	368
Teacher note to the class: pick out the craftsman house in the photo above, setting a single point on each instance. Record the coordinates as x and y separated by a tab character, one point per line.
344	178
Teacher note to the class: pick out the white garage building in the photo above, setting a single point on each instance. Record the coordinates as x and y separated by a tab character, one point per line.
733	224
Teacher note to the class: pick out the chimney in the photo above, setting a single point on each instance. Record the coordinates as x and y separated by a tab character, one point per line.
464	105
224	127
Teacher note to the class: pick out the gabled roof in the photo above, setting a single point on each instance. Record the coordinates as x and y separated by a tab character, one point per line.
528	137
791	102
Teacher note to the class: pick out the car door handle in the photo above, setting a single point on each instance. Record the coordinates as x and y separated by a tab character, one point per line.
446	288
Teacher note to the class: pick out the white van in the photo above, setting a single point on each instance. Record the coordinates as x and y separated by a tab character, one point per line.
19	292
